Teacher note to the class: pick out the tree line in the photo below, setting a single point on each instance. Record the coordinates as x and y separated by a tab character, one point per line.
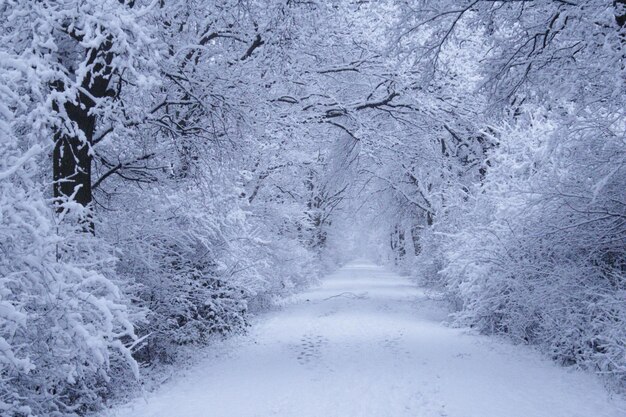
169	167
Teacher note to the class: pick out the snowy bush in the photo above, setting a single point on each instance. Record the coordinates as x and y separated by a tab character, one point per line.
179	279
541	257
526	194
62	319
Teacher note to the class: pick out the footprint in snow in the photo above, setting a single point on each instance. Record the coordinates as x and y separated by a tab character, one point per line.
310	348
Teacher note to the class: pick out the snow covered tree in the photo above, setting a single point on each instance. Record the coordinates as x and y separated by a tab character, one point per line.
545	225
65	325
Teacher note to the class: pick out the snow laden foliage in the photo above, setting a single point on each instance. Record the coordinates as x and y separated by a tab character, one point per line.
173	265
168	168
543	258
214	243
64	323
528	229
130	168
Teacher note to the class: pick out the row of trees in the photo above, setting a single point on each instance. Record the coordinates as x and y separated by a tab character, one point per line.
165	169
519	202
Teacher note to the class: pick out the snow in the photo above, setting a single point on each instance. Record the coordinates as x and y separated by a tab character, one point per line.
368	342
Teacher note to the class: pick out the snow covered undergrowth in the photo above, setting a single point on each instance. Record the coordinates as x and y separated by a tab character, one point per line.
368	342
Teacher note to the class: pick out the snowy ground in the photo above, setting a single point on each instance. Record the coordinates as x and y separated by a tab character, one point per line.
368	343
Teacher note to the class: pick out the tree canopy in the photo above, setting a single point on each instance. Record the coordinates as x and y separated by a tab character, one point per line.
169	167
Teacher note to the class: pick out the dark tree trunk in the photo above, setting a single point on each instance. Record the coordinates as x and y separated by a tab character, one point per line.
415	235
72	155
620	15
397	244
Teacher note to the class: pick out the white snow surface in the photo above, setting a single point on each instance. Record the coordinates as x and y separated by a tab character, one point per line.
368	342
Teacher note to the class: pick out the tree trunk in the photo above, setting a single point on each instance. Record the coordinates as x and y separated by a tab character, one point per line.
620	12
72	159
72	155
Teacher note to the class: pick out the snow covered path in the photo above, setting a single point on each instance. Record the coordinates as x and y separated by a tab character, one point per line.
368	343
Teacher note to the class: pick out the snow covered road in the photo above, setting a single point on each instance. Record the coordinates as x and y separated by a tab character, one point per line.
368	343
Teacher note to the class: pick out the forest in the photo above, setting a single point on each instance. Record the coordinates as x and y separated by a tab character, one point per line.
170	169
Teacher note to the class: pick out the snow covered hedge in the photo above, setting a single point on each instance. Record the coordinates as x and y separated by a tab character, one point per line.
167	250
63	319
543	258
529	233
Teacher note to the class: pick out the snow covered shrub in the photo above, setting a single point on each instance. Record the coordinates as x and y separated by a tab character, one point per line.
176	264
281	266
534	245
541	256
62	321
199	262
